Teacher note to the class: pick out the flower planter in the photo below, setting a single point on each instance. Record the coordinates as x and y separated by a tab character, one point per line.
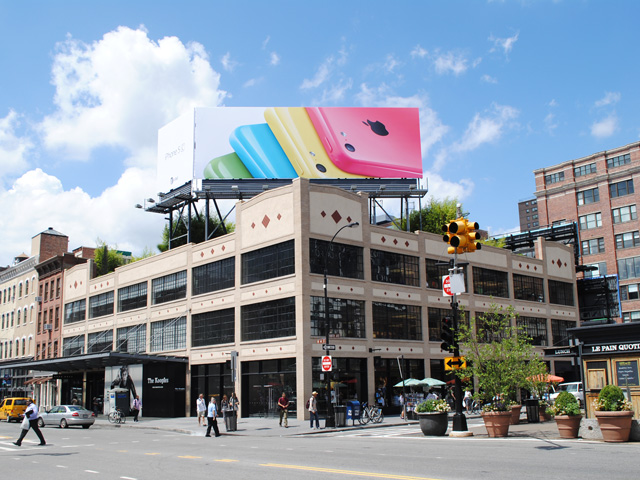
497	423
615	426
568	425
515	414
544	416
433	423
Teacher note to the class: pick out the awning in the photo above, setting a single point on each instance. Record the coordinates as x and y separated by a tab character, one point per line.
37	380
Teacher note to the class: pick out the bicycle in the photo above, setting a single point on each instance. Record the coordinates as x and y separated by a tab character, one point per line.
370	413
117	416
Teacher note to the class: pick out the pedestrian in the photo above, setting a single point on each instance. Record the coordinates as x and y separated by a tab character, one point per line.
283	405
233	411
226	414
136	407
201	409
312	406
403	411
467	400
212	413
31	416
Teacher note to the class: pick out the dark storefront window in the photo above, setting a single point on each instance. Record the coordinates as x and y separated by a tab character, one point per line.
347	317
132	297
73	346
132	339
397	268
398	322
100	305
269	319
169	288
528	288
387	374
213	328
561	293
490	282
262	384
269	262
214	276
536	328
436	269
349	380
435	321
340	259
211	380
169	334
75	311
100	342
559	331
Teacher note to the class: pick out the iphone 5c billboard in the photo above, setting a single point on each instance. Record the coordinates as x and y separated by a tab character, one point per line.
289	142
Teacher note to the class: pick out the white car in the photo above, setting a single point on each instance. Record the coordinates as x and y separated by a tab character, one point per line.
574	388
67	416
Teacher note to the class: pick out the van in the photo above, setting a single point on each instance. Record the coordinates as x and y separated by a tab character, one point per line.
574	388
12	408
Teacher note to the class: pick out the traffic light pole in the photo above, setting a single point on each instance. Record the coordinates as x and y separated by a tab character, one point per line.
459	419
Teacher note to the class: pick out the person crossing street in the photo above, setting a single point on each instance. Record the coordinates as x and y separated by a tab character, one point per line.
31	413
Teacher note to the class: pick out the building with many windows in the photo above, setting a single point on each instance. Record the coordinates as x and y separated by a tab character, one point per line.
598	192
246	311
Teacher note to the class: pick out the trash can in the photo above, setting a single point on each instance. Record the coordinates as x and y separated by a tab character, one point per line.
353	411
341	414
533	410
230	421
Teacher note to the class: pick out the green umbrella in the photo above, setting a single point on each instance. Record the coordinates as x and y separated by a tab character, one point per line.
431	382
408	382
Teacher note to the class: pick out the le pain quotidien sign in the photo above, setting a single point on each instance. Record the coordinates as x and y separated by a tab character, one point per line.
611	348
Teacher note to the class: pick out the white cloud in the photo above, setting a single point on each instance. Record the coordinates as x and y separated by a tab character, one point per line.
252	82
274	59
227	63
440	188
605	127
550	122
14	149
489	79
391	63
336	93
610	98
419	52
322	75
450	63
119	90
265	42
503	44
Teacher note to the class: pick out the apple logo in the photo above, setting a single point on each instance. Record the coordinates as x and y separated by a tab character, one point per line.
377	127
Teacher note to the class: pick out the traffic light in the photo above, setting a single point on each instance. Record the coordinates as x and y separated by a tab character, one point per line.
461	235
473	236
447	335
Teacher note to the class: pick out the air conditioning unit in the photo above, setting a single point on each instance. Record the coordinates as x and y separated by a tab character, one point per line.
39	299
47	326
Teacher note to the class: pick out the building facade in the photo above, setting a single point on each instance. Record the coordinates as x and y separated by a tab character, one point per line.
598	192
528	214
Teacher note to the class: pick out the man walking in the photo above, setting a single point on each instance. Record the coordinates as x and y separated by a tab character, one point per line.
136	407
201	409
212	413
312	406
283	404
32	414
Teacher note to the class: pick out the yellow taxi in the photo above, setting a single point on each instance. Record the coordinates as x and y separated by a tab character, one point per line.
12	408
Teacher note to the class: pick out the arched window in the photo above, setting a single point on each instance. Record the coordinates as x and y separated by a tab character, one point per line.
18	318
26	287
24	347
20	290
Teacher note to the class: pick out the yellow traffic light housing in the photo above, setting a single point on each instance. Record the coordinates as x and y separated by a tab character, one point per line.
461	235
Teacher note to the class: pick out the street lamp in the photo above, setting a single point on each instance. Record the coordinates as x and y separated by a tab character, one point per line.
330	421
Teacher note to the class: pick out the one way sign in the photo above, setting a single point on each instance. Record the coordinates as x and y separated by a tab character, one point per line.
455	363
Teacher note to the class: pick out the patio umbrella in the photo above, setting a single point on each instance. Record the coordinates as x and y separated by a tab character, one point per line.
546	378
408	382
431	382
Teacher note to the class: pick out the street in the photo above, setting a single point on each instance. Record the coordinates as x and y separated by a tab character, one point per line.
393	452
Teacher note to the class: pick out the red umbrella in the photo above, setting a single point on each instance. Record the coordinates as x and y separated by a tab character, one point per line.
546	378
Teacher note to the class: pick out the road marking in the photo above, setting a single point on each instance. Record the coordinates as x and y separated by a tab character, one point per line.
346	472
91	471
62	466
128	478
153	453
187	456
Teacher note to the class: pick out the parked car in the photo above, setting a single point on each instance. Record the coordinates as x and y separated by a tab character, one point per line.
12	408
67	415
574	388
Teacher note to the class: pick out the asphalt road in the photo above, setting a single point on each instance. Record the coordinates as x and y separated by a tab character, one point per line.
394	452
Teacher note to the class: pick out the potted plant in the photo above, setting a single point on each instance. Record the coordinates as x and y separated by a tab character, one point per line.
516	408
566	412
500	357
433	416
614	413
544	414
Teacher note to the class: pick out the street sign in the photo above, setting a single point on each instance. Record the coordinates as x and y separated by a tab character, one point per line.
568	351
328	347
446	286
326	363
455	363
320	340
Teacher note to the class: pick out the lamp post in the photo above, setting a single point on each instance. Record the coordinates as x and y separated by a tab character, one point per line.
330	421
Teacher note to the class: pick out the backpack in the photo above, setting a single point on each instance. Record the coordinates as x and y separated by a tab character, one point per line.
307	405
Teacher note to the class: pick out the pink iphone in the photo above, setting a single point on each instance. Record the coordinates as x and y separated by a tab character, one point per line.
374	142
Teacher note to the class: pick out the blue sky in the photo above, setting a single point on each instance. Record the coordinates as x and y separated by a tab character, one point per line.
503	87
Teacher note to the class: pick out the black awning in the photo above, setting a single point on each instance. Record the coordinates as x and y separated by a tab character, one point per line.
91	361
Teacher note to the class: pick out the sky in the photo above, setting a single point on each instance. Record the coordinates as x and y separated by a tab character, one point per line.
503	87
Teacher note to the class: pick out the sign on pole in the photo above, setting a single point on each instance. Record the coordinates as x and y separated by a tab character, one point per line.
446	286
455	363
327	364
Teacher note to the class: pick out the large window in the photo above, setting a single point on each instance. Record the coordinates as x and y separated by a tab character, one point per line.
559	331
132	297
169	334
347	317
554	178
436	269
628	240
101	305
73	346
560	293
213	328
394	268
269	262
536	328
584	170
593	246
132	339
593	220
631	317
397	322
630	292
528	288
214	276
340	259
100	342
588	196
269	319
170	287
629	268
600	269
624	214
620	189
75	311
619	160
436	315
490	282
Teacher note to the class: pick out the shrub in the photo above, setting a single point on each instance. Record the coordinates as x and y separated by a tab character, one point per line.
433	406
611	399
565	404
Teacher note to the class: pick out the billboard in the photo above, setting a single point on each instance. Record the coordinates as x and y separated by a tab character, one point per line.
289	142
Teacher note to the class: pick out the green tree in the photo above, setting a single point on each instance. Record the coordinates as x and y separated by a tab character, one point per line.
500	356
494	242
179	228
434	216
107	259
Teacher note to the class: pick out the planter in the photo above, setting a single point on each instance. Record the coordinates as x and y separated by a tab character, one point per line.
615	426
497	423
544	416
568	425
515	414
433	423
